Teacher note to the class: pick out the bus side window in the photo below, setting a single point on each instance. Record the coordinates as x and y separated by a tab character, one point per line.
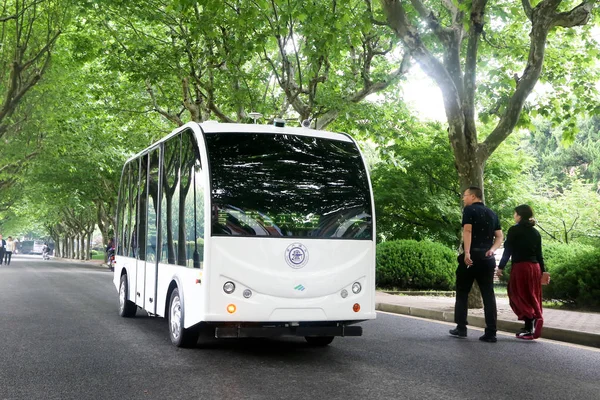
143	208
191	216
153	169
133	205
123	218
170	200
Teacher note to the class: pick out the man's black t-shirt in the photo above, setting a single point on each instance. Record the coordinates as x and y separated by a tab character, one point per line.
485	222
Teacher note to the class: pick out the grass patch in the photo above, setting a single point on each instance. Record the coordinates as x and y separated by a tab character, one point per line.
500	289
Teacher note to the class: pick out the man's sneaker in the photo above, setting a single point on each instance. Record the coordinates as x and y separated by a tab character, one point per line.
459	333
524	335
488	338
537	328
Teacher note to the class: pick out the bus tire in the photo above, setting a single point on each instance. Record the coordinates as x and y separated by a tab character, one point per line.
319	340
127	308
180	336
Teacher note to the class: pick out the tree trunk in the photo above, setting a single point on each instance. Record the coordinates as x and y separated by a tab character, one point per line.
57	249
470	173
475	300
106	223
82	255
66	246
75	245
88	247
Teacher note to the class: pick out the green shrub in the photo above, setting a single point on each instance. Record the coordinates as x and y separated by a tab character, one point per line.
408	264
576	281
555	254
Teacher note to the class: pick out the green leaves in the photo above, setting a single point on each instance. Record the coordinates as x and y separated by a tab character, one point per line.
409	264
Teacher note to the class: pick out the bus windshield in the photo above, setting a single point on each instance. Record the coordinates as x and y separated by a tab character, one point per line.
288	186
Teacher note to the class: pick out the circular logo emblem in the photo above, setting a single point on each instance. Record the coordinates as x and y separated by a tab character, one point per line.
296	255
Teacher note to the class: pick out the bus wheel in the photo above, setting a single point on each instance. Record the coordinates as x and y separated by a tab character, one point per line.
319	340
127	308
180	336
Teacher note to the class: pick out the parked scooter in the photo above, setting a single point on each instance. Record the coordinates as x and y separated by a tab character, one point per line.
111	258
46	252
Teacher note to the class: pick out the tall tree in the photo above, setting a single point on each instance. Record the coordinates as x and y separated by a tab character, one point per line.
28	32
326	56
224	60
446	43
96	123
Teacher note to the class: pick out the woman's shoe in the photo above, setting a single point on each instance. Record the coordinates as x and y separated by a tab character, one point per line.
524	335
522	330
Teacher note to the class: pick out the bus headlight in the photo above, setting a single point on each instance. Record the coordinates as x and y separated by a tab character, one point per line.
356	288
229	287
247	293
344	293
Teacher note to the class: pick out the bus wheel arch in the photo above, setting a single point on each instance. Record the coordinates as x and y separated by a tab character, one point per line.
127	308
172	286
180	336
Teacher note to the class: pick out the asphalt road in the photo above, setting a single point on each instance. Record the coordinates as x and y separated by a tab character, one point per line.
61	338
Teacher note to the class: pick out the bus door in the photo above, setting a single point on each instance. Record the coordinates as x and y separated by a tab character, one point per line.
152	207
142	227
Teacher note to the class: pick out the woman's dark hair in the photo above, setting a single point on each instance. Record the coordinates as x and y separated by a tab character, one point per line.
526	214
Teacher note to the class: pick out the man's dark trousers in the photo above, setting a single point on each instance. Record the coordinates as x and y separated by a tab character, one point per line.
2	250
482	271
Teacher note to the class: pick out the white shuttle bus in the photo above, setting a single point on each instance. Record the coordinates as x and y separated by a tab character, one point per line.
248	231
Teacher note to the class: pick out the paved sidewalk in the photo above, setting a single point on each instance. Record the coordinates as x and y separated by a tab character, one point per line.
569	326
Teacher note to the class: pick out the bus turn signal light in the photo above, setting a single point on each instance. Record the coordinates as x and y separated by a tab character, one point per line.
356	307
231	308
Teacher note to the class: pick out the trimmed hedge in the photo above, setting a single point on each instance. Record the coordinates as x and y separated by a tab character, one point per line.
576	281
408	264
555	254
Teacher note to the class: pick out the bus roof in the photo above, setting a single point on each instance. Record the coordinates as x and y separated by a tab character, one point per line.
217	127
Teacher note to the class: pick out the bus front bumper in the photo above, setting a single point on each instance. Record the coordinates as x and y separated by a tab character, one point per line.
241	331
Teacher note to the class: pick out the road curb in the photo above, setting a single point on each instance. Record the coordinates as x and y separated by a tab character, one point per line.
561	335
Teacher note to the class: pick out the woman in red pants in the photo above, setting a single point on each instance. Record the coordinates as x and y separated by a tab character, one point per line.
524	244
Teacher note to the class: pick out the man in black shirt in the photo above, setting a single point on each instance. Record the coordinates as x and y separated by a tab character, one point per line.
482	235
2	249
